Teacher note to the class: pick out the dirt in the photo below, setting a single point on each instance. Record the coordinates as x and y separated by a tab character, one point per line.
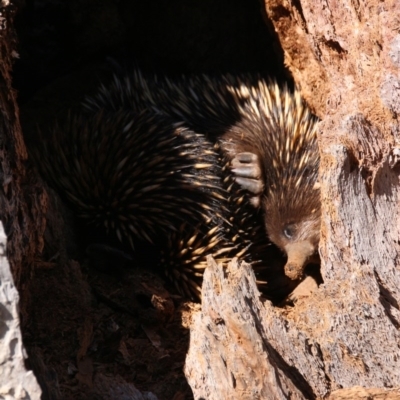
88	332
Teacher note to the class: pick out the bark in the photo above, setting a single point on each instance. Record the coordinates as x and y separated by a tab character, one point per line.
15	381
23	204
242	347
16	215
344	56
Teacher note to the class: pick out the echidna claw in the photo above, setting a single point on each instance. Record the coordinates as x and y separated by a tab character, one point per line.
251	185
246	169
246	157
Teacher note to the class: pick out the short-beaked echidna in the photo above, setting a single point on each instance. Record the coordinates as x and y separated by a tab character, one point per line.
207	104
142	176
245	114
281	131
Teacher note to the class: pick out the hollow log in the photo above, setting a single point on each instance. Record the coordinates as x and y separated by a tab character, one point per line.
341	341
16	382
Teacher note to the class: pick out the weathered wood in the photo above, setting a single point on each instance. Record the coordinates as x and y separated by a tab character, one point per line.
23	203
229	355
15	381
343	55
245	348
360	393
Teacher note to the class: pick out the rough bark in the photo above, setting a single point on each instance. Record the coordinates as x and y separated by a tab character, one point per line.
344	56
15	381
244	348
22	203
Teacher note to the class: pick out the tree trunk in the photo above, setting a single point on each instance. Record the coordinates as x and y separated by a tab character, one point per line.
15	381
345	57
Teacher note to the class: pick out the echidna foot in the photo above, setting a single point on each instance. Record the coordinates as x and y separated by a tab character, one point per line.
246	168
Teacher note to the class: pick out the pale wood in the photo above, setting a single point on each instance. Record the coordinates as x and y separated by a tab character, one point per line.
244	348
16	383
360	393
229	357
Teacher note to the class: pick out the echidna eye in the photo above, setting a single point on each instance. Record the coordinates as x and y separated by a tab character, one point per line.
288	231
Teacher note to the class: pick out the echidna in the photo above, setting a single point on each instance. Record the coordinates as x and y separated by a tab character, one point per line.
249	117
207	104
280	131
144	176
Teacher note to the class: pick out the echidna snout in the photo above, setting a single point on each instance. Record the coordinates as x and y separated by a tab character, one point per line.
299	255
299	240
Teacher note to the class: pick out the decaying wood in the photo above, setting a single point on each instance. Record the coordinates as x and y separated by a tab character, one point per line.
23	204
360	393
344	56
15	381
16	208
230	356
244	348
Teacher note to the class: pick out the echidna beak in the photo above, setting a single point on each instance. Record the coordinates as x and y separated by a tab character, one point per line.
299	254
